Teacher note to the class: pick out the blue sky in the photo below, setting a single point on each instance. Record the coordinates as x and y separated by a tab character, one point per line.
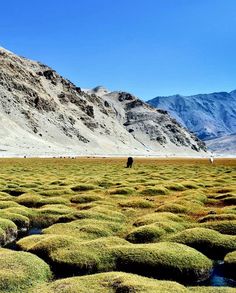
146	47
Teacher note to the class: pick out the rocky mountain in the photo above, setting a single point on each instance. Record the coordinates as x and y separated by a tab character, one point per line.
44	114
212	117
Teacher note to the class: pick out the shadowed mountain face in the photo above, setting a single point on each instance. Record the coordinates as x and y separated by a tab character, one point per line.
41	113
209	116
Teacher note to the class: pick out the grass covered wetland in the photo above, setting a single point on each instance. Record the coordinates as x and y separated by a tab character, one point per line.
91	225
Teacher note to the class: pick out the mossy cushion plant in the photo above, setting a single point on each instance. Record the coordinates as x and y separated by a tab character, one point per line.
69	256
111	282
10	231
224	227
209	242
158	217
230	264
22	222
152	191
85	228
163	260
20	271
85	198
153	232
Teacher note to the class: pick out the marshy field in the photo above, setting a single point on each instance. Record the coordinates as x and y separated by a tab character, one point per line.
92	225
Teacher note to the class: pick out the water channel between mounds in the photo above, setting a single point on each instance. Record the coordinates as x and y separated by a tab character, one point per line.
216	279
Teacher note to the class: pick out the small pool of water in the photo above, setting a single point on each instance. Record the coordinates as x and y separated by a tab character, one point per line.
217	277
21	234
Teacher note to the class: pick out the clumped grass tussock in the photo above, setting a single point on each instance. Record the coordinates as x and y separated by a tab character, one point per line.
173	208
152	191
71	256
153	232
21	271
9	230
102	213
217	217
85	229
209	242
22	222
30	200
121	190
230	265
55	192
85	198
163	260
8	204
112	282
224	227
158	217
137	203
83	187
176	187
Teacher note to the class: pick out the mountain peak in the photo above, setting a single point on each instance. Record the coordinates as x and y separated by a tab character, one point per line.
100	90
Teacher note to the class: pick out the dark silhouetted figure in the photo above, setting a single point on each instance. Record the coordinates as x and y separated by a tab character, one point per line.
129	162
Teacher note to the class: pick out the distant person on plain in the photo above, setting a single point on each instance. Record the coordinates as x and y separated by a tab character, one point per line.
129	162
211	159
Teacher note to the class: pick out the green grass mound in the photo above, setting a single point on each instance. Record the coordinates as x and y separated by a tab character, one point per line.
52	213
158	217
85	229
224	227
112	282
21	210
163	260
190	185
22	222
83	187
173	208
152	191
20	271
121	191
217	217
8	231
87	198
69	256
102	213
54	200
8	204
176	187
153	232
230	264
137	203
209	242
55	192
30	200
5	196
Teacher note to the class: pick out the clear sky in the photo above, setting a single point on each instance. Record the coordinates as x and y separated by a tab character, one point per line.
146	47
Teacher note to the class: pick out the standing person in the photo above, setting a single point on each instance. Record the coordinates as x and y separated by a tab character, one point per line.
211	159
129	162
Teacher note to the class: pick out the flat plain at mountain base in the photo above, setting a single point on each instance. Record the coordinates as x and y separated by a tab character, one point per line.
92	225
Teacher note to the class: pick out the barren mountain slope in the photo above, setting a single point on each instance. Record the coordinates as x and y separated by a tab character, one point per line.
212	117
43	114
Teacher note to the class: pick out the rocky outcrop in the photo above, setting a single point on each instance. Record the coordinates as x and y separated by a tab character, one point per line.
44	114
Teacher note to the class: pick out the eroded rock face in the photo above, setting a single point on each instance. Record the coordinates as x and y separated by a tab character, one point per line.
48	114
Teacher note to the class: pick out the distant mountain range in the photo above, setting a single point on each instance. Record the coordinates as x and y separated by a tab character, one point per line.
44	114
212	117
